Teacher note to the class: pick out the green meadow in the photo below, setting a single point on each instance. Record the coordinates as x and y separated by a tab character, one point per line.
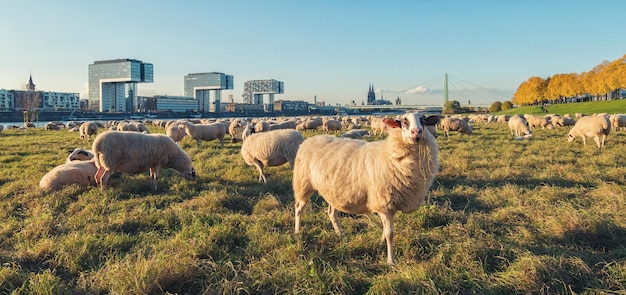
504	216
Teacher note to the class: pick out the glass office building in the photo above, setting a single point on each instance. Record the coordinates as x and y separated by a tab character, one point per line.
262	92
207	88
113	84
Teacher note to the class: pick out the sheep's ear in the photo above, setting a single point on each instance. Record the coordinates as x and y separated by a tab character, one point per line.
391	123
432	120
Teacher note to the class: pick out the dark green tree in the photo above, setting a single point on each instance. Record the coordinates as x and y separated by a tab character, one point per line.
495	107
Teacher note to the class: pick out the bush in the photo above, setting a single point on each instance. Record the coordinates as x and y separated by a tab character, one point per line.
495	107
507	105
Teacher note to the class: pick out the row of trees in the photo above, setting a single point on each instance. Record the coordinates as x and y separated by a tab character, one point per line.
603	82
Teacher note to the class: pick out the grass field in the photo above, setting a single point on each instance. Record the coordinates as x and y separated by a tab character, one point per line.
505	216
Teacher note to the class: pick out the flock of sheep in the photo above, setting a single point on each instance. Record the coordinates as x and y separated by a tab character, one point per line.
352	175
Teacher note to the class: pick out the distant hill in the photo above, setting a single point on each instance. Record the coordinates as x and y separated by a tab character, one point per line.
611	107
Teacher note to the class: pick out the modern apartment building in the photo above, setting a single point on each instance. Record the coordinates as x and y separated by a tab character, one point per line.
7	101
207	89
262	92
113	84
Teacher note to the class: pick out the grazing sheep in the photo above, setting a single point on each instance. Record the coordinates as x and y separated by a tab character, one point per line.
503	118
261	126
331	125
356	133
247	131
140	127
359	177
538	121
564	121
133	152
77	172
87	129
271	148
455	124
126	126
290	124
233	126
79	154
378	125
175	132
597	127
54	126
1	128
518	125
309	124
618	121
206	132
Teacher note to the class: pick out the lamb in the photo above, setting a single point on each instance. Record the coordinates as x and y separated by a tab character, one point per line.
206	132
88	129
597	127
79	154
455	124
77	172
356	133
331	125
132	152
359	177
271	148
518	125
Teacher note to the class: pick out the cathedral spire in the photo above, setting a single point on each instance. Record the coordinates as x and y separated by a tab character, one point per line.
30	86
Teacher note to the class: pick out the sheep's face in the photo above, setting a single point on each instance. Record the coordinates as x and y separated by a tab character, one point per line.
412	126
570	137
189	174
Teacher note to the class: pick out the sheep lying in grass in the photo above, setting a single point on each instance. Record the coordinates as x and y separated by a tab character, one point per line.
359	177
206	132
518	125
79	154
597	127
455	124
356	133
77	172
87	129
271	148
289	124
132	152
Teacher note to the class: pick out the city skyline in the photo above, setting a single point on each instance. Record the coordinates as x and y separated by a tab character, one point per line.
332	51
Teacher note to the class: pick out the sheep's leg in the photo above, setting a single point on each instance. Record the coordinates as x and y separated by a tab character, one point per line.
387	219
102	177
584	140
259	167
302	194
334	219
154	173
298	216
603	137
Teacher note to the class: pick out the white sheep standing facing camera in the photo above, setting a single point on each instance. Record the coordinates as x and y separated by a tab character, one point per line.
359	177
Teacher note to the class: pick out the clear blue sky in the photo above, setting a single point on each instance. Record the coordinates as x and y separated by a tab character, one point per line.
331	49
